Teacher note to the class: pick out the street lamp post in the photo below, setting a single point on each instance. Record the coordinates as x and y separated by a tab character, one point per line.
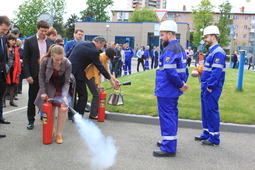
107	29
202	42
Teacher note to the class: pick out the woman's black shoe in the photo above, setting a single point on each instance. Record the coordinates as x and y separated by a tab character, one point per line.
90	117
13	104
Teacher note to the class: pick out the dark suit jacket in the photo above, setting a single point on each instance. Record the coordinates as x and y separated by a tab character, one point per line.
83	54
32	56
3	56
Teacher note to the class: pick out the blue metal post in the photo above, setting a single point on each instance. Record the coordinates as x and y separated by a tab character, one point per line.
240	70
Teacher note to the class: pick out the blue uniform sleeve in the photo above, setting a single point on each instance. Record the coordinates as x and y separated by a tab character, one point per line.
66	47
170	61
217	68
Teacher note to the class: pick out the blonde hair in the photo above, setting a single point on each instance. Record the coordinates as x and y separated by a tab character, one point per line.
54	49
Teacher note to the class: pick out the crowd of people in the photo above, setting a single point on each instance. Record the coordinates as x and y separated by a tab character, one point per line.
54	69
64	70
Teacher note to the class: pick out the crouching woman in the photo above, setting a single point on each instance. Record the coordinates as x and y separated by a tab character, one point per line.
54	77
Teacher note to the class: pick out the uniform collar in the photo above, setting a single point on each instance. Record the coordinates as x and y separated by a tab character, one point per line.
212	48
171	42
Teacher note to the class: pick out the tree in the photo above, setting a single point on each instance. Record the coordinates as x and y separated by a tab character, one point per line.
96	10
69	26
28	14
57	10
202	15
143	14
224	23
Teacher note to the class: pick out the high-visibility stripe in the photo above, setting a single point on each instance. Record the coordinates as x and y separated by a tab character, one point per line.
169	137
160	68
207	69
181	70
210	69
207	130
184	61
214	133
169	66
218	65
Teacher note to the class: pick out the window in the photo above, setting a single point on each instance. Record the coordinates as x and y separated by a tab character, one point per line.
244	35
231	17
122	16
236	26
124	39
245	26
186	16
90	37
179	16
246	18
237	17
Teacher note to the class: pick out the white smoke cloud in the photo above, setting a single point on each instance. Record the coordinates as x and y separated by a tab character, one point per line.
101	148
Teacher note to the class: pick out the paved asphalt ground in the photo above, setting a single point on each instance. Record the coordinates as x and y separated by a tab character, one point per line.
23	149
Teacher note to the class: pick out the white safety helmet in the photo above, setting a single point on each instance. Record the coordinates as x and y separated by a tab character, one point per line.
212	29
168	25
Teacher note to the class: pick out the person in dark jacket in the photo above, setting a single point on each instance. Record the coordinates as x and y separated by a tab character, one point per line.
35	47
5	24
83	54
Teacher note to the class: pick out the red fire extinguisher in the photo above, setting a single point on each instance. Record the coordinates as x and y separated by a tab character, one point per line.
47	122
101	105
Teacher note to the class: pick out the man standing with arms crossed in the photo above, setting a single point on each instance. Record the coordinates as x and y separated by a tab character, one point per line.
4	27
35	47
171	78
212	80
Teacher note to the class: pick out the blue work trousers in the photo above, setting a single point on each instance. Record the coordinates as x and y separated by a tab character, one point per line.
168	117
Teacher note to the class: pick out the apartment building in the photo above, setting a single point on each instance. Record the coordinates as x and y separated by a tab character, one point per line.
157	4
243	22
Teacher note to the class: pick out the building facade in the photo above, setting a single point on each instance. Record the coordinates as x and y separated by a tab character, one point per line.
157	4
243	22
136	34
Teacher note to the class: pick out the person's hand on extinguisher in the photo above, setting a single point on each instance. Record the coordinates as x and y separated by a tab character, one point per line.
117	82
65	100
44	96
114	85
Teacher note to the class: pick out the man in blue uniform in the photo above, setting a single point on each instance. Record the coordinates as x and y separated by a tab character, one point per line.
128	57
212	81
171	77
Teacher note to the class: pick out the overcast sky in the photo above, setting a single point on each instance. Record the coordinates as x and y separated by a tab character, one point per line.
7	7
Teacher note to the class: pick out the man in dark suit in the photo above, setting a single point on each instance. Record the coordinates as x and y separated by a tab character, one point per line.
154	57
83	54
35	47
4	27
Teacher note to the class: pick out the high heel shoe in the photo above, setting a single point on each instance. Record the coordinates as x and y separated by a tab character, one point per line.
59	139
13	104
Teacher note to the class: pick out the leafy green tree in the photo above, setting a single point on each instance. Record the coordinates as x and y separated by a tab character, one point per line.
143	14
96	10
69	26
202	15
27	15
57	9
29	12
224	22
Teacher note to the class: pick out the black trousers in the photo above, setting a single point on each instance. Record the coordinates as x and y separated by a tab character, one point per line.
95	96
2	92
140	60
188	61
82	93
32	93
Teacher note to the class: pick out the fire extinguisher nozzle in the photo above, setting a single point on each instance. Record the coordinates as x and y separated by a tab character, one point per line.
72	110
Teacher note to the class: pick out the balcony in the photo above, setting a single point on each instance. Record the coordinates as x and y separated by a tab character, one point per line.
253	22
252	30
252	39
